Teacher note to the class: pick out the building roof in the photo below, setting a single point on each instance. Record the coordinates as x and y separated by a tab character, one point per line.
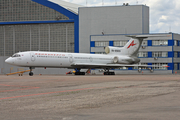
67	5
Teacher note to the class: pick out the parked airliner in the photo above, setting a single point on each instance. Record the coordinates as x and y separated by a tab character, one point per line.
115	58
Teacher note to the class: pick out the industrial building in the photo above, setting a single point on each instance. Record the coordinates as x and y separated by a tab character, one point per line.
156	51
56	25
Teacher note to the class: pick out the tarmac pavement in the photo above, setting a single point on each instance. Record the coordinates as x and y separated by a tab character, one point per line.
61	97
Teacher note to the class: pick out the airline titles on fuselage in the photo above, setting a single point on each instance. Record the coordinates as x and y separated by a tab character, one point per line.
46	55
42	54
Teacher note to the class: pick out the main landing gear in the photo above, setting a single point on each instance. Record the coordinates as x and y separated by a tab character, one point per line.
31	73
78	72
108	73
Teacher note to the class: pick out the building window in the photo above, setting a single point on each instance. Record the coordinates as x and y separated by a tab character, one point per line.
144	43
175	54
142	68
101	44
159	54
175	42
178	54
123	68
178	43
120	43
159	66
159	42
142	54
175	66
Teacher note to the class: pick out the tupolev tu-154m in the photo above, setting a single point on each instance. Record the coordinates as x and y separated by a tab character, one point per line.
116	57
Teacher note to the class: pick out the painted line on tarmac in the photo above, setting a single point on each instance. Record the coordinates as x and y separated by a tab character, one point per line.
142	86
13	85
22	88
46	93
19	89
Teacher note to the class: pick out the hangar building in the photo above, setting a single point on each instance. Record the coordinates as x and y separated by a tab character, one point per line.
32	25
56	25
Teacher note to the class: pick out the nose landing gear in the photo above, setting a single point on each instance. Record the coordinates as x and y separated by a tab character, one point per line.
31	73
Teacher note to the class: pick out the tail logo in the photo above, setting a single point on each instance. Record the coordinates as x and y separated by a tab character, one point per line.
132	44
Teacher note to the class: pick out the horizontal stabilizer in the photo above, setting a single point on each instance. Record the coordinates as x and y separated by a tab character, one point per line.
146	36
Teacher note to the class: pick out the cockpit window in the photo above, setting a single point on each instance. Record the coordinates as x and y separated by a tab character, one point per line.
16	55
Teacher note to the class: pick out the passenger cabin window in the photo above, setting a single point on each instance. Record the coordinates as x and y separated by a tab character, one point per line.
16	55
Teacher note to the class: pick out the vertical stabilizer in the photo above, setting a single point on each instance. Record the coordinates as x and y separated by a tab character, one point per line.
132	47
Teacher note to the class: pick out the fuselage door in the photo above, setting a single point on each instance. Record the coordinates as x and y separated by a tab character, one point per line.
32	57
70	58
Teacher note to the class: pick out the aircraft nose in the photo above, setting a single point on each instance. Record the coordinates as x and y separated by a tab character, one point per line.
9	61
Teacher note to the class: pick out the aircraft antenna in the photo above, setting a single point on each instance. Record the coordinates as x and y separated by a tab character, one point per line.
102	2
115	2
86	2
137	2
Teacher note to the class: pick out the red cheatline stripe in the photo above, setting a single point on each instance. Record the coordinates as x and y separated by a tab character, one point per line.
45	93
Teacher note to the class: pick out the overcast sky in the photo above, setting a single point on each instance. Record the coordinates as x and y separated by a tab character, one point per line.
164	14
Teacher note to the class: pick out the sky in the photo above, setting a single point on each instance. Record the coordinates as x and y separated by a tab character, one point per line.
164	14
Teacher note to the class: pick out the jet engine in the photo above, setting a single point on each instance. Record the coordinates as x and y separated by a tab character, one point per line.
125	60
112	50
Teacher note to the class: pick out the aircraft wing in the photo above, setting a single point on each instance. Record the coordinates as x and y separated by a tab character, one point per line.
92	65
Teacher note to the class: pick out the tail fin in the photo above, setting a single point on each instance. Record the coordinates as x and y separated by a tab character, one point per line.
132	47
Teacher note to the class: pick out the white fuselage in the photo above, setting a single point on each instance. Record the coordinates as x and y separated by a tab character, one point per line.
115	58
61	60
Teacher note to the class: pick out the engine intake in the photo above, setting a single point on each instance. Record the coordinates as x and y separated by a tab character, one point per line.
126	60
114	50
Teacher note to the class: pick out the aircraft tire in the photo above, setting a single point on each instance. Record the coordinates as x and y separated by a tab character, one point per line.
31	74
109	73
105	73
80	73
113	73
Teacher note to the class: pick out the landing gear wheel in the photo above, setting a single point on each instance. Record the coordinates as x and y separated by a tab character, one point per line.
109	73
31	74
80	73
